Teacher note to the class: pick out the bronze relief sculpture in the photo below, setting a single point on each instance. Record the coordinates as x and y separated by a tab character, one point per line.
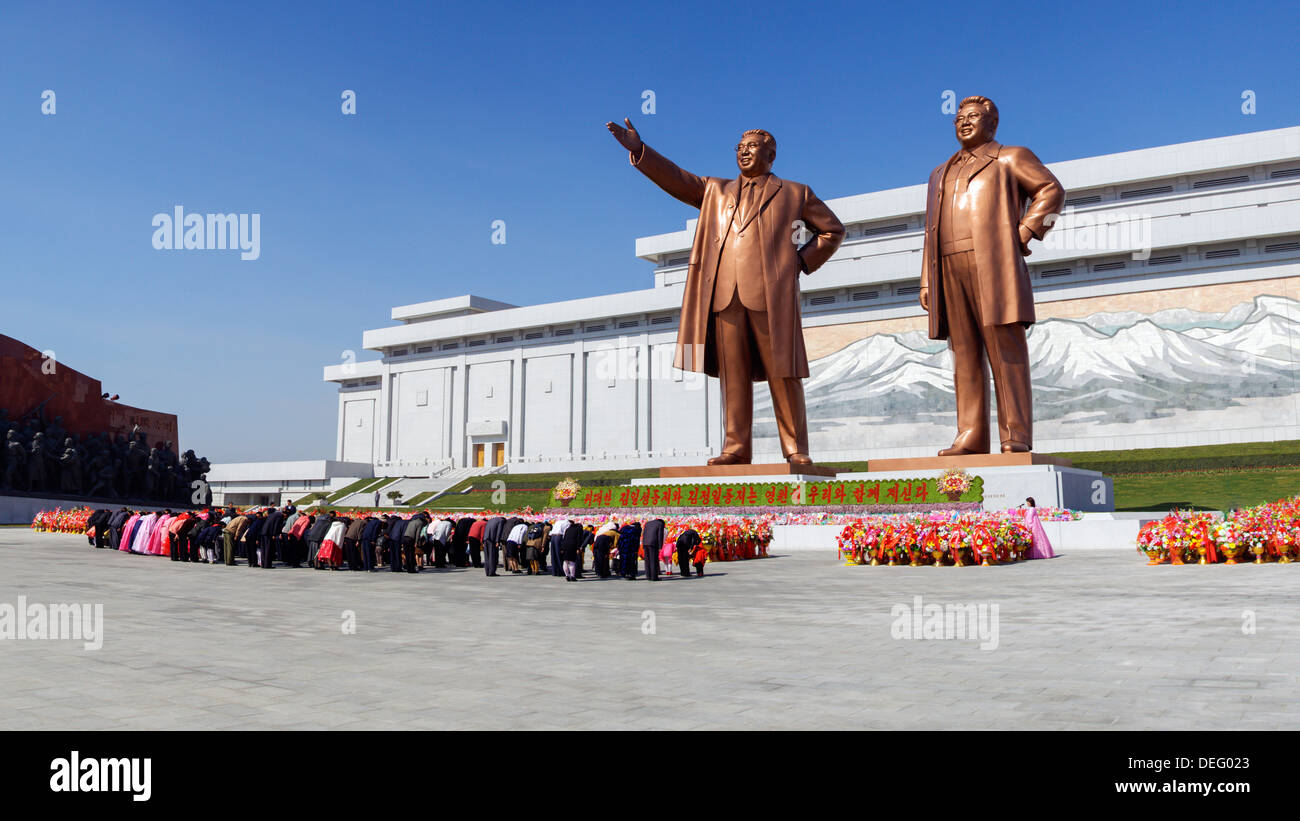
982	208
740	311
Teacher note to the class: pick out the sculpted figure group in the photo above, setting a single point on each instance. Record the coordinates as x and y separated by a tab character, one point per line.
40	456
756	233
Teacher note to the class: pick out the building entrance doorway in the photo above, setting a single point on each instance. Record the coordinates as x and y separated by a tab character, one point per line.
490	453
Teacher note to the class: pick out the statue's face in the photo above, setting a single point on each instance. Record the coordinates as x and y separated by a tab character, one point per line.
973	125
754	156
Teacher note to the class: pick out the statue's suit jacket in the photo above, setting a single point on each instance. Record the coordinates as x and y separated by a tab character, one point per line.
1003	179
774	258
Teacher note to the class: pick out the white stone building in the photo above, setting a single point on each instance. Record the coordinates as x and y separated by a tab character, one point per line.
1187	341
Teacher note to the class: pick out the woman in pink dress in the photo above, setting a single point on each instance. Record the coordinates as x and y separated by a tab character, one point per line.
128	533
1040	547
142	532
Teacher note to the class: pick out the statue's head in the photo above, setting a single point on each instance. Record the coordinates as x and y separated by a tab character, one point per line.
756	152
976	121
67	443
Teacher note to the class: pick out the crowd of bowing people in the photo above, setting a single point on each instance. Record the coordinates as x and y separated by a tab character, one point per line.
369	542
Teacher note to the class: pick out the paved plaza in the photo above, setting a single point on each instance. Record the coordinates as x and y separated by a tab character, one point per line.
1089	640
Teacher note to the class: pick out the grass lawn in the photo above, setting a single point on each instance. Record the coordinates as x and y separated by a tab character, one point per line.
1207	490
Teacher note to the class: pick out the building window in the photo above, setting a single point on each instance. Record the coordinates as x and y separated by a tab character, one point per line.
1154	190
1215	183
1168	259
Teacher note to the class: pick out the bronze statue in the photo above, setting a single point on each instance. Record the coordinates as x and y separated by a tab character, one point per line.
740	310
984	205
70	474
15	462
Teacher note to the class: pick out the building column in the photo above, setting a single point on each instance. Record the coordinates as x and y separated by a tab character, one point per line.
342	407
515	424
643	394
382	447
460	410
578	399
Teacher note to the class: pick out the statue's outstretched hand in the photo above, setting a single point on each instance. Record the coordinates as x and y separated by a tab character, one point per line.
627	137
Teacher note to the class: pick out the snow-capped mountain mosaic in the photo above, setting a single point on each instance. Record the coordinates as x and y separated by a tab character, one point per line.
1109	374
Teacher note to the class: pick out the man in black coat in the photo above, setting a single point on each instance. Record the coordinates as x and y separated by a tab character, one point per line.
460	542
253	536
629	540
396	529
492	537
652	539
99	520
369	534
572	542
271	536
686	544
115	525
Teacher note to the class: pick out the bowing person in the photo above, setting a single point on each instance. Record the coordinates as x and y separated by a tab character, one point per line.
572	543
652	541
475	539
396	529
687	543
270	536
492	537
316	534
253	536
604	543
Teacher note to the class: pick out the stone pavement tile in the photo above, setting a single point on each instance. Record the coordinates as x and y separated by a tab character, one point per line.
1085	641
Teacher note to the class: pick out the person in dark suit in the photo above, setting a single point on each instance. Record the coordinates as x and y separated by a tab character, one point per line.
572	543
270	536
629	542
253	536
369	534
686	545
99	521
652	540
491	544
115	525
187	537
604	543
396	530
460	542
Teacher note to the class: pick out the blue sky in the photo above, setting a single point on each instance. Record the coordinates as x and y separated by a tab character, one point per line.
466	115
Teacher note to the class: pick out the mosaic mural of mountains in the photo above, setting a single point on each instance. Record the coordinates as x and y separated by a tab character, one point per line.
1111	367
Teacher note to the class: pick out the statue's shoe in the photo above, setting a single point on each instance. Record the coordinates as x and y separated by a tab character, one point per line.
728	459
799	459
958	451
1015	447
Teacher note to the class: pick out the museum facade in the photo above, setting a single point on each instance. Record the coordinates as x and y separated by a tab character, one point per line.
1167	315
